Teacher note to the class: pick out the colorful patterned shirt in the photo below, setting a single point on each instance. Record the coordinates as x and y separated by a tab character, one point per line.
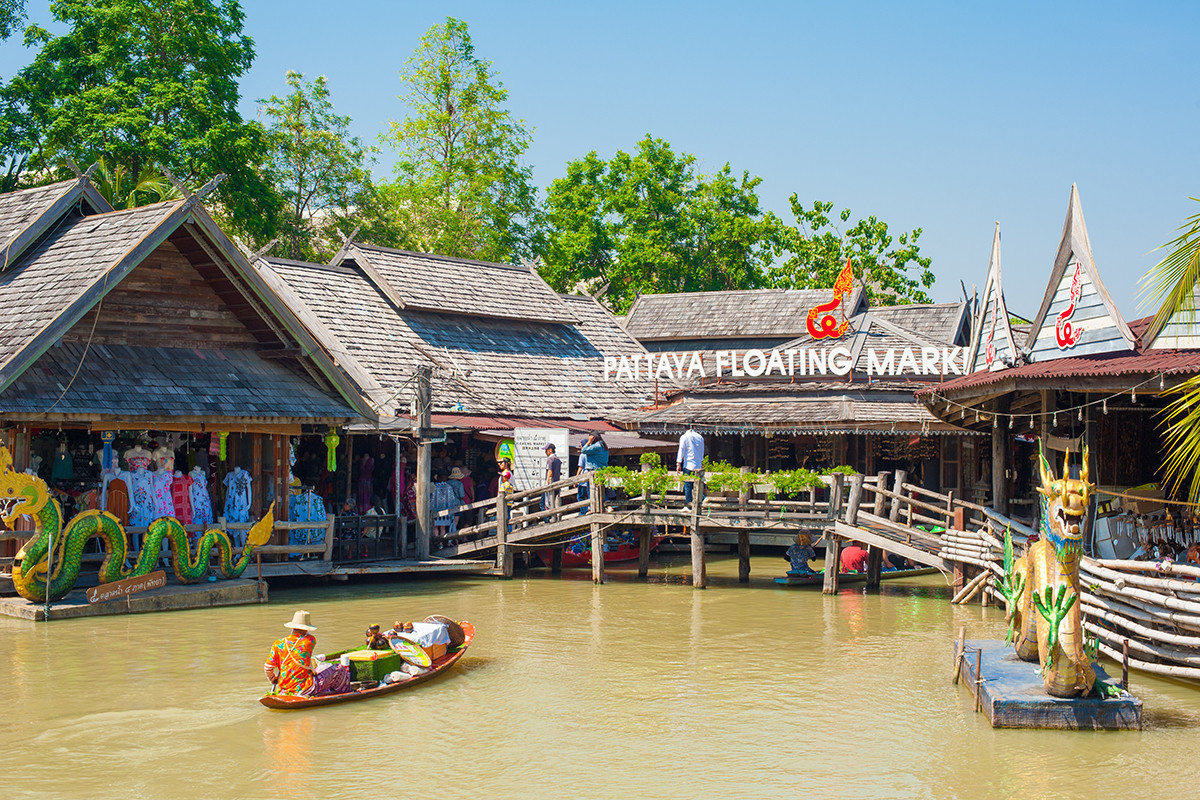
290	657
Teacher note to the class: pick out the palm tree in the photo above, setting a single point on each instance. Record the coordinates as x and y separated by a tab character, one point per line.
1172	284
151	186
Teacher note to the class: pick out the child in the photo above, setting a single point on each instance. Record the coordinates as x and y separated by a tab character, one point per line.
506	484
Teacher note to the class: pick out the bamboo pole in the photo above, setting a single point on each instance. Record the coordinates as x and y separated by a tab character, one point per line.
974	583
1091	610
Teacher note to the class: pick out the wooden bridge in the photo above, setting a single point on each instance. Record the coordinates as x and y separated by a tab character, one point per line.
860	508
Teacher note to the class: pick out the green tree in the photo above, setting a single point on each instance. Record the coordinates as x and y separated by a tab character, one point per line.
317	166
818	249
114	184
145	83
11	14
647	222
460	188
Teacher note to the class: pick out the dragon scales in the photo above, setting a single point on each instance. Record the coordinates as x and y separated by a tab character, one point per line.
35	577
1041	588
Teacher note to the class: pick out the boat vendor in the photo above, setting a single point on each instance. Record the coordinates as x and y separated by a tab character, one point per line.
854	558
290	667
800	553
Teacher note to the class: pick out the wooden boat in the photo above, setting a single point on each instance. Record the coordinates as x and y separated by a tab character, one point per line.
439	666
817	578
624	552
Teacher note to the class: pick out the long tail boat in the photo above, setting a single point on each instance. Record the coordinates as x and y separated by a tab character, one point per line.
437	667
817	578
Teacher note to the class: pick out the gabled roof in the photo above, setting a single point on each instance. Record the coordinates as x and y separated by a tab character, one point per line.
992	343
26	213
79	258
751	313
484	363
1181	331
1077	316
427	282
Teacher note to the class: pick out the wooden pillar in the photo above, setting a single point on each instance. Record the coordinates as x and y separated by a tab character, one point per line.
874	567
881	483
1001	450
259	474
835	494
348	465
644	534
833	562
855	499
504	555
743	543
901	477
699	567
556	556
597	507
425	464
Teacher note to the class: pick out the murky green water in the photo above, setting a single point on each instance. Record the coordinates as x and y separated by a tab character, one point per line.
571	690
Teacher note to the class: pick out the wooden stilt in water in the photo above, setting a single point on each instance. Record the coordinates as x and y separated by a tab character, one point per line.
1125	665
597	507
833	562
959	645
874	567
556	559
743	557
643	552
504	555
699	567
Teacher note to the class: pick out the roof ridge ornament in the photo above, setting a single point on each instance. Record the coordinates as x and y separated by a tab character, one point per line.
341	254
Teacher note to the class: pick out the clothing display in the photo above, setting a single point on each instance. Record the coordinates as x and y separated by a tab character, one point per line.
306	507
201	503
63	468
237	496
366	480
141	494
181	496
117	500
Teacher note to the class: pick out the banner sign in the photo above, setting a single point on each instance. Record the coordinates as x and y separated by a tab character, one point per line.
529	462
124	588
803	361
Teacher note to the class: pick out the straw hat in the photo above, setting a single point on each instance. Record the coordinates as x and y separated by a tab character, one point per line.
300	621
456	474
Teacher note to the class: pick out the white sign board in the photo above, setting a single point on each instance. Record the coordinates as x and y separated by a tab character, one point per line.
529	471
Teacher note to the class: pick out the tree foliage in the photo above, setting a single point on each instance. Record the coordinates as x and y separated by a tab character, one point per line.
460	188
144	83
892	270
11	14
115	184
318	168
647	222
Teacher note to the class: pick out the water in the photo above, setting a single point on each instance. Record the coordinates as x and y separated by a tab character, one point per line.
570	690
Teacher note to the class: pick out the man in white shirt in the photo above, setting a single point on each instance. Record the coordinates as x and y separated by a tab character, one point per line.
689	459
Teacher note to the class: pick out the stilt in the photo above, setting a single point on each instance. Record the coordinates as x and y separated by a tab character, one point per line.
643	552
597	507
743	557
874	567
556	559
504	555
699	567
833	562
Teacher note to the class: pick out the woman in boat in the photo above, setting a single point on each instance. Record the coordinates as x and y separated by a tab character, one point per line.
289	667
800	553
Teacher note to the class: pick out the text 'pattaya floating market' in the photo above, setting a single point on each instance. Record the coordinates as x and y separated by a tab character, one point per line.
788	363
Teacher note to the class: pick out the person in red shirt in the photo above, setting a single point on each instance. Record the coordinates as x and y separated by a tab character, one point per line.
854	558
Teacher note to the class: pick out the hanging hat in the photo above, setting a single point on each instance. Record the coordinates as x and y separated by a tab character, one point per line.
456	474
300	621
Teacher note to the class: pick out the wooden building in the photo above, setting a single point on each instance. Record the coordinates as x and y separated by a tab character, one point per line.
814	414
150	323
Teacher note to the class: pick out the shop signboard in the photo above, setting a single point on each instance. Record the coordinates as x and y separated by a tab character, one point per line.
123	588
529	461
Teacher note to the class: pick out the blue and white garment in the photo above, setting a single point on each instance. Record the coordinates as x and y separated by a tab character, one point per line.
141	497
307	507
237	496
202	511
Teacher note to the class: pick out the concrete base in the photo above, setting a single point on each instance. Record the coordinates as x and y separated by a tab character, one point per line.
171	597
1013	697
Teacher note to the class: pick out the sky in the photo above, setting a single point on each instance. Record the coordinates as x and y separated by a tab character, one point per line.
943	116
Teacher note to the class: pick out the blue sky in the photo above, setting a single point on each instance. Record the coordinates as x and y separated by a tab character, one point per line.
944	116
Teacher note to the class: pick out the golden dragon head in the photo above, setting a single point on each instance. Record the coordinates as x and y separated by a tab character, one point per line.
1064	505
19	493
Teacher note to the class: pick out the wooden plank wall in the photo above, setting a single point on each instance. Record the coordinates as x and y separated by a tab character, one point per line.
1100	331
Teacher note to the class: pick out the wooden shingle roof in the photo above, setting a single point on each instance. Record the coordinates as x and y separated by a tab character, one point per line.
25	213
761	313
483	364
427	282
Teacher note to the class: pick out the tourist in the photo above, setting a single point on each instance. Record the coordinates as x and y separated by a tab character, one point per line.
854	558
289	667
595	450
689	459
800	553
583	490
553	474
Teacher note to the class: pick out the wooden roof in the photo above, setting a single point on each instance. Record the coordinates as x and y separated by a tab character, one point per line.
752	313
993	326
428	282
25	213
175	286
484	363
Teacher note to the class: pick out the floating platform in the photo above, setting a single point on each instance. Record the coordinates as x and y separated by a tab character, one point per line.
1013	697
172	597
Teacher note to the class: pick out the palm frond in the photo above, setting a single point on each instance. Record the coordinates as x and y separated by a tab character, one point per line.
1171	283
1181	420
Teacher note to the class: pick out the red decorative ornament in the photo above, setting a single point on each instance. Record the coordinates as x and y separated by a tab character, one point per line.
1066	334
829	327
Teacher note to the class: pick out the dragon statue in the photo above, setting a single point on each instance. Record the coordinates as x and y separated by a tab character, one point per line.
35	577
1041	588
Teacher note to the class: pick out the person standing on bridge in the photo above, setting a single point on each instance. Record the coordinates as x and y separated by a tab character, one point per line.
553	473
689	459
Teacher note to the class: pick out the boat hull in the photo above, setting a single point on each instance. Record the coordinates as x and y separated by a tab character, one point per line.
817	578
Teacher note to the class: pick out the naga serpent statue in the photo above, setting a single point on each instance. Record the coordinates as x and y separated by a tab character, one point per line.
35	578
1041	588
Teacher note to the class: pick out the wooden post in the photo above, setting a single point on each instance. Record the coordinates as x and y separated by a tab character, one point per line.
901	477
874	567
743	541
833	562
855	499
644	534
812	499
1001	448
425	465
950	518
744	491
504	556
880	484
398	478
835	495
597	507
699	567
1125	664
256	471
556	557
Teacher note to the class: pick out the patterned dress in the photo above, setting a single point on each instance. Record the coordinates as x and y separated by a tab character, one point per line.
163	501
202	512
290	657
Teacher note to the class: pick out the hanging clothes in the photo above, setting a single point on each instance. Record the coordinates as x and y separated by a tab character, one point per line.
63	468
162	499
202	510
116	500
307	507
181	497
141	496
237	495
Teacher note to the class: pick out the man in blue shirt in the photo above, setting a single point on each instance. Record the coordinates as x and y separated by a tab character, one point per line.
689	459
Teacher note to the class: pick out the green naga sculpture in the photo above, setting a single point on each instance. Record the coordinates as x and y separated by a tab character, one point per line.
1041	588
35	577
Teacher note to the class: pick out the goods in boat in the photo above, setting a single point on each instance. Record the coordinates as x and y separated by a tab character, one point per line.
816	578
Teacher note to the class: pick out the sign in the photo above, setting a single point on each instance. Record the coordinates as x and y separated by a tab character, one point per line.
529	456
124	588
431	435
506	448
1067	335
786	363
829	327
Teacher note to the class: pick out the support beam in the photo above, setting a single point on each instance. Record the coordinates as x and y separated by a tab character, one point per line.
833	562
556	556
874	567
504	553
424	395
743	556
597	500
699	566
901	477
